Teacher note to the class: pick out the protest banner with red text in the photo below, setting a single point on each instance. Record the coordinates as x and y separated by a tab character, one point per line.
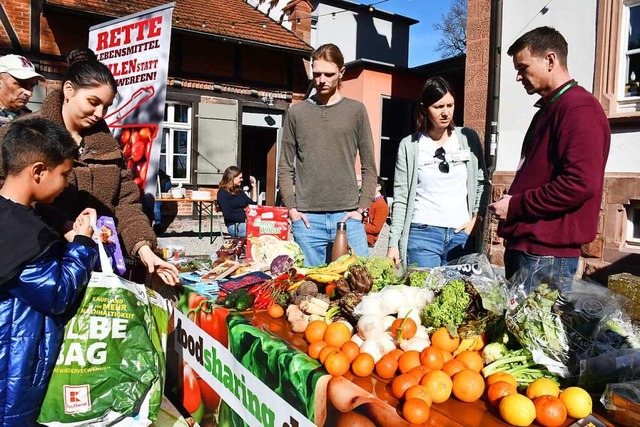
136	50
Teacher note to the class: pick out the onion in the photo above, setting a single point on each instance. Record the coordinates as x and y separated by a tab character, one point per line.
349	325
372	346
371	304
410	312
370	326
357	339
422	332
377	347
393	298
415	343
387	321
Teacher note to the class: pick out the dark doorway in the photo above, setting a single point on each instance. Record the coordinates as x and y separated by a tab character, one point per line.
397	122
258	155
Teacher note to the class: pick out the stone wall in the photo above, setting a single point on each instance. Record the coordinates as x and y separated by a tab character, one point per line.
609	253
476	90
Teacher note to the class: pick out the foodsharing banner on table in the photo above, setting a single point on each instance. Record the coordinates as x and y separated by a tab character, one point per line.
136	50
254	401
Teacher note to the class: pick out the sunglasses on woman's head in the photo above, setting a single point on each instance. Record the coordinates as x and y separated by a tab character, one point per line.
443	166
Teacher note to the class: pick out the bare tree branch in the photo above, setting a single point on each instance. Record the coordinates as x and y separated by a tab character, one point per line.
453	26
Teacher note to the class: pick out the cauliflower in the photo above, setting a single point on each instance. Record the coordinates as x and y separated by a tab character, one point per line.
449	307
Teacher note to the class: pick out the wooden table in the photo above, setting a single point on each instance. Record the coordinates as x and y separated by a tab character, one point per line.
203	206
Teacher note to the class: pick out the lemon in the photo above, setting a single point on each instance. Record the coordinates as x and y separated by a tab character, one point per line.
577	401
542	387
517	410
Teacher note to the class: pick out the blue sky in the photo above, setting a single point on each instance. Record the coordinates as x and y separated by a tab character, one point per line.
423	37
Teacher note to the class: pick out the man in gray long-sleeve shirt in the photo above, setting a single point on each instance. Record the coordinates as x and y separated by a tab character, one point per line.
322	138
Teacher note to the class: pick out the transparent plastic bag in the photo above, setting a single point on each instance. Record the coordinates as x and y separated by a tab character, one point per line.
531	319
475	269
612	367
614	331
557	323
622	401
491	286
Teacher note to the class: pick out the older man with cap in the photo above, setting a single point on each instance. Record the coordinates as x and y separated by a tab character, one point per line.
18	77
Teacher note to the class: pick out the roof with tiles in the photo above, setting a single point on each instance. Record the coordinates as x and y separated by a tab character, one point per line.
232	19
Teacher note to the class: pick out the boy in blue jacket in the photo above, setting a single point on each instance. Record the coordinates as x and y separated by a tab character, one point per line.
40	273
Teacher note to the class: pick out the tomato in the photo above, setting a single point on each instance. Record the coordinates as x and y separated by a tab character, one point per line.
191	399
213	320
149	147
145	133
137	151
125	136
195	299
135	137
131	165
141	170
126	151
330	289
210	398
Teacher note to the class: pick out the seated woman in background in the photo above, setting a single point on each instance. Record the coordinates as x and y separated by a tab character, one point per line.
378	213
232	200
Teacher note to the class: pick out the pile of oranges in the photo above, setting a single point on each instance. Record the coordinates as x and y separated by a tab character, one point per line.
543	401
420	378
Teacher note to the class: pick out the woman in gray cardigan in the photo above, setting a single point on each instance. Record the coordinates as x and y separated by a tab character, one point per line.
440	185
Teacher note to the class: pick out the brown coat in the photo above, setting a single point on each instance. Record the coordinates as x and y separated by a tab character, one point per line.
100	180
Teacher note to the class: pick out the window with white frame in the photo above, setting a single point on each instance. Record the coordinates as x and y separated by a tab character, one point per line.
630	46
633	224
617	71
175	154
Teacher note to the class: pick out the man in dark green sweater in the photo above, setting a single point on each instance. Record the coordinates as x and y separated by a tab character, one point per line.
322	137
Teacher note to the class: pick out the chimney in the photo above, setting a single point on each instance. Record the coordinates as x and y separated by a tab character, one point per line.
299	14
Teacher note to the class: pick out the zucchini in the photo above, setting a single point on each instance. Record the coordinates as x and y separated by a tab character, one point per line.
244	302
232	298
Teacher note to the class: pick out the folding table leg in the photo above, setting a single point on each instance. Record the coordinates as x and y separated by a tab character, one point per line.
199	204
211	235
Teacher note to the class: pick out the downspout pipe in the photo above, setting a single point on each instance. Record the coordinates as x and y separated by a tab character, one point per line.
494	83
495	48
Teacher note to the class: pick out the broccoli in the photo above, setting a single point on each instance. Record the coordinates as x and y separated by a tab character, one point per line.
449	307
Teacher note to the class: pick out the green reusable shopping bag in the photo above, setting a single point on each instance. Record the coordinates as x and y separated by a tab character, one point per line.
112	363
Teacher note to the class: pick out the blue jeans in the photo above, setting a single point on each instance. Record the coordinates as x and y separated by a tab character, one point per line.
238	229
431	246
157	212
533	270
316	241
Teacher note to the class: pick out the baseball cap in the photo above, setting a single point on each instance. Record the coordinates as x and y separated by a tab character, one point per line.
19	67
